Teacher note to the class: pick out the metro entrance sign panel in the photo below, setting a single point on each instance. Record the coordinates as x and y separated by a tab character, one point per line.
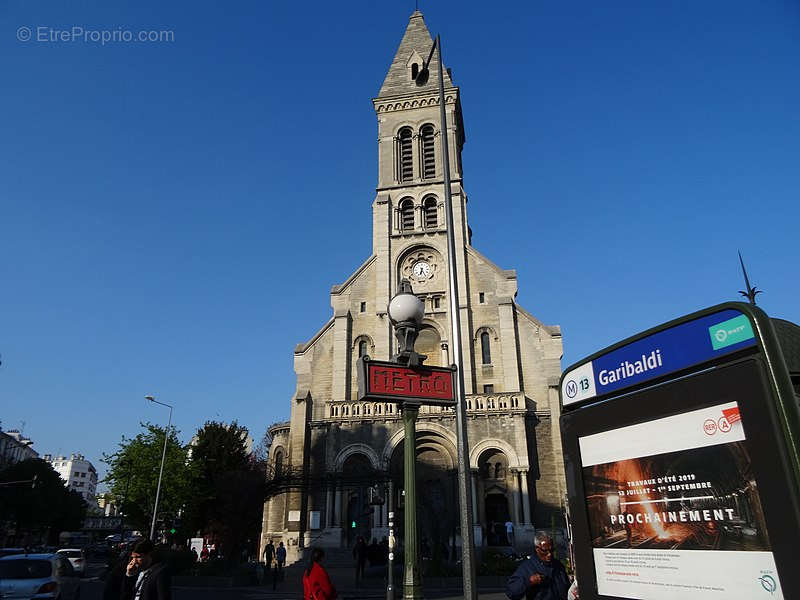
682	462
380	380
690	343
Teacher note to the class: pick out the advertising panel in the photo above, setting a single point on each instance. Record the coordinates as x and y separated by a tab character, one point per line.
674	509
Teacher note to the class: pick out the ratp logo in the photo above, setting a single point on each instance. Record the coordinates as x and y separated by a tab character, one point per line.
768	583
721	335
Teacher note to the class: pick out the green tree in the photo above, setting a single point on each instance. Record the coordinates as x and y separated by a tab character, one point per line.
228	487
41	509
133	476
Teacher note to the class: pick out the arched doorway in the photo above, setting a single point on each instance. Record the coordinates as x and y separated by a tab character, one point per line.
493	475
357	477
437	500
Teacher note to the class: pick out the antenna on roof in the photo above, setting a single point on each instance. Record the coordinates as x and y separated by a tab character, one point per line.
751	292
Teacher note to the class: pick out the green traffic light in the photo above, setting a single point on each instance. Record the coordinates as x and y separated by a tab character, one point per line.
353	525
172	531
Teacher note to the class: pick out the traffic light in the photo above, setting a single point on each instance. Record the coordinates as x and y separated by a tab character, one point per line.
353	525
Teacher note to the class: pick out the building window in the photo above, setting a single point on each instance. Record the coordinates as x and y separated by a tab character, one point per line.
486	354
488	388
437	302
481	298
414	70
427	152
407	214
430	211
363	307
362	348
405	159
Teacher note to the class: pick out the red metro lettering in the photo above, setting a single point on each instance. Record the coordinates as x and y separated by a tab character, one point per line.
402	381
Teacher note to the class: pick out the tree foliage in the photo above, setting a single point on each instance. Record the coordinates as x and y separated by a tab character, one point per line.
133	476
228	487
46	506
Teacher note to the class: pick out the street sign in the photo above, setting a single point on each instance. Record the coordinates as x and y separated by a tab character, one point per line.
682	462
651	356
389	381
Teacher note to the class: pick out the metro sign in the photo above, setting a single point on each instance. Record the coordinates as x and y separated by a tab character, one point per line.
381	380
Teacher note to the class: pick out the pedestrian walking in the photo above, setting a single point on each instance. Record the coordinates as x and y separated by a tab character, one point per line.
280	558
269	555
204	554
510	533
541	577
316	582
146	579
360	554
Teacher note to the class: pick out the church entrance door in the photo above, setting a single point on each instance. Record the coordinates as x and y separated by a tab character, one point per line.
496	515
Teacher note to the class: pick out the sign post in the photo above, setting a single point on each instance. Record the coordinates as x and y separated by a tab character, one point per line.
410	387
683	464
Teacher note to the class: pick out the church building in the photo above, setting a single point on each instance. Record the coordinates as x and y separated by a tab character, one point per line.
341	453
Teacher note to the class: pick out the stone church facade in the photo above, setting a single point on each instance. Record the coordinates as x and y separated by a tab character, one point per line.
339	446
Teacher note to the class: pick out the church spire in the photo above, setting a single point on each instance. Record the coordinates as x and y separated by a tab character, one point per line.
414	49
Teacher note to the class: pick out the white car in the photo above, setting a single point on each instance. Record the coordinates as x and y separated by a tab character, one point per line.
77	559
38	576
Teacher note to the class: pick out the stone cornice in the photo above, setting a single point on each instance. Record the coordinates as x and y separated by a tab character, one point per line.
412	101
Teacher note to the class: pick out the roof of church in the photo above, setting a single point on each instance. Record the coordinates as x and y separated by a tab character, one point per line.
417	39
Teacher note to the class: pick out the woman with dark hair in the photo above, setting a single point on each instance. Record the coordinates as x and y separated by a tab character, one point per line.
316	583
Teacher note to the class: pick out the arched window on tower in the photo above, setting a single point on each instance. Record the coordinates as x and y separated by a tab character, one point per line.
405	159
427	153
278	463
362	348
414	70
430	210
486	354
407	214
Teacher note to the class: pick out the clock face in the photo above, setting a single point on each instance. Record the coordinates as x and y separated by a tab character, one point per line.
421	269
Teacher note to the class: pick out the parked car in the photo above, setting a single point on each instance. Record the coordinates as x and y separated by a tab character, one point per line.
10	551
77	559
43	576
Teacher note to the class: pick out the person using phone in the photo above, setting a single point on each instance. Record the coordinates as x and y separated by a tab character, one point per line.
144	579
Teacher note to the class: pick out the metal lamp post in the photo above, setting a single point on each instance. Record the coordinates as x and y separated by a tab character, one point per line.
464	495
406	312
163	455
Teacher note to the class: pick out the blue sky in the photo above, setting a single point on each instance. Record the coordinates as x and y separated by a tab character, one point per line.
156	202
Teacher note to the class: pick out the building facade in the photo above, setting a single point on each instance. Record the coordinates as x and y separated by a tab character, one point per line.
344	451
78	474
15	447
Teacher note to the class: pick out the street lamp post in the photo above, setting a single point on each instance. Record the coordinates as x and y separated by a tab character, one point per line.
464	495
163	455
406	312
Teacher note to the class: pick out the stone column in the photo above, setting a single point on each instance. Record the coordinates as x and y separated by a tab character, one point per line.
526	502
337	510
513	489
329	506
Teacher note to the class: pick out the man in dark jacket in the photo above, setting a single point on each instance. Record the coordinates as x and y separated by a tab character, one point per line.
541	577
145	580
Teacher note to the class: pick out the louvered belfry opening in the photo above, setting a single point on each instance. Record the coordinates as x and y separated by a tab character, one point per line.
407	214
430	210
428	155
405	159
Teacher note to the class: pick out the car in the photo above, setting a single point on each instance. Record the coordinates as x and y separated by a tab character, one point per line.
10	551
38	576
77	559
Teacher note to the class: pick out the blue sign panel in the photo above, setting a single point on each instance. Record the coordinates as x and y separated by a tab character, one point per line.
686	344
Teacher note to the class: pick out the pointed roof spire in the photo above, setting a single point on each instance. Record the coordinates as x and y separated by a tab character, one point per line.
414	47
751	292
